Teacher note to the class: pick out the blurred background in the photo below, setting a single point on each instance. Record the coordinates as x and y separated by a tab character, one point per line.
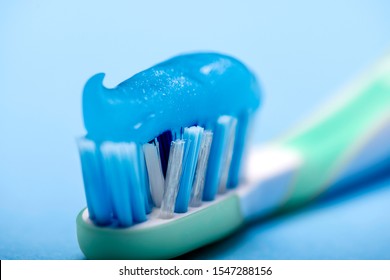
302	52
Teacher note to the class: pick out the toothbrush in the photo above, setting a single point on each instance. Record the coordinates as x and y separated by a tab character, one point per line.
162	157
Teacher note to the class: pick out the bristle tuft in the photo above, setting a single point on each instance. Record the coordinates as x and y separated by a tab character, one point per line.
193	137
172	180
178	169
200	174
220	157
98	201
156	177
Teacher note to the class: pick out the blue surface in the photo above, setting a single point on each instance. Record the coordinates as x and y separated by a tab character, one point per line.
351	225
301	51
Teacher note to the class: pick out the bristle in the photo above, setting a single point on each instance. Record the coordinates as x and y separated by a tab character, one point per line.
172	180
117	183
240	140
137	192
98	200
125	181
200	174
156	177
122	179
192	137
219	161
227	154
144	177
164	141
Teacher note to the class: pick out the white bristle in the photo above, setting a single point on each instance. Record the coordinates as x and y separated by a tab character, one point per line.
155	173
86	145
172	180
197	188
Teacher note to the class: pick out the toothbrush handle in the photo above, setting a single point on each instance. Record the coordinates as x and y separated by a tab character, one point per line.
349	140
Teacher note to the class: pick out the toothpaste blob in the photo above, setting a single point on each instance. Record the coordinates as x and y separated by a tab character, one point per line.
186	90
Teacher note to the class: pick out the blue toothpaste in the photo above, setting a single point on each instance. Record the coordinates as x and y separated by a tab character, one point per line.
193	89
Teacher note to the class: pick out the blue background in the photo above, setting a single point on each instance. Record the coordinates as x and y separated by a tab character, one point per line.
302	51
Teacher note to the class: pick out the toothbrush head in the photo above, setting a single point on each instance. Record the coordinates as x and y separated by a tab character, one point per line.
161	153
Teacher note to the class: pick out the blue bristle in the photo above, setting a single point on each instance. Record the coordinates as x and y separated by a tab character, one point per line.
217	162
144	181
192	136
97	196
164	141
114	162
137	192
239	147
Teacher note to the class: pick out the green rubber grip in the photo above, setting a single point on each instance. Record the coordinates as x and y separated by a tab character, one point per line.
326	144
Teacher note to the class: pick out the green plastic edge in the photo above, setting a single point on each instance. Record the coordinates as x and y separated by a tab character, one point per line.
168	240
326	146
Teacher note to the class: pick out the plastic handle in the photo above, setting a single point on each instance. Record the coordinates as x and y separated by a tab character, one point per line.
348	138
